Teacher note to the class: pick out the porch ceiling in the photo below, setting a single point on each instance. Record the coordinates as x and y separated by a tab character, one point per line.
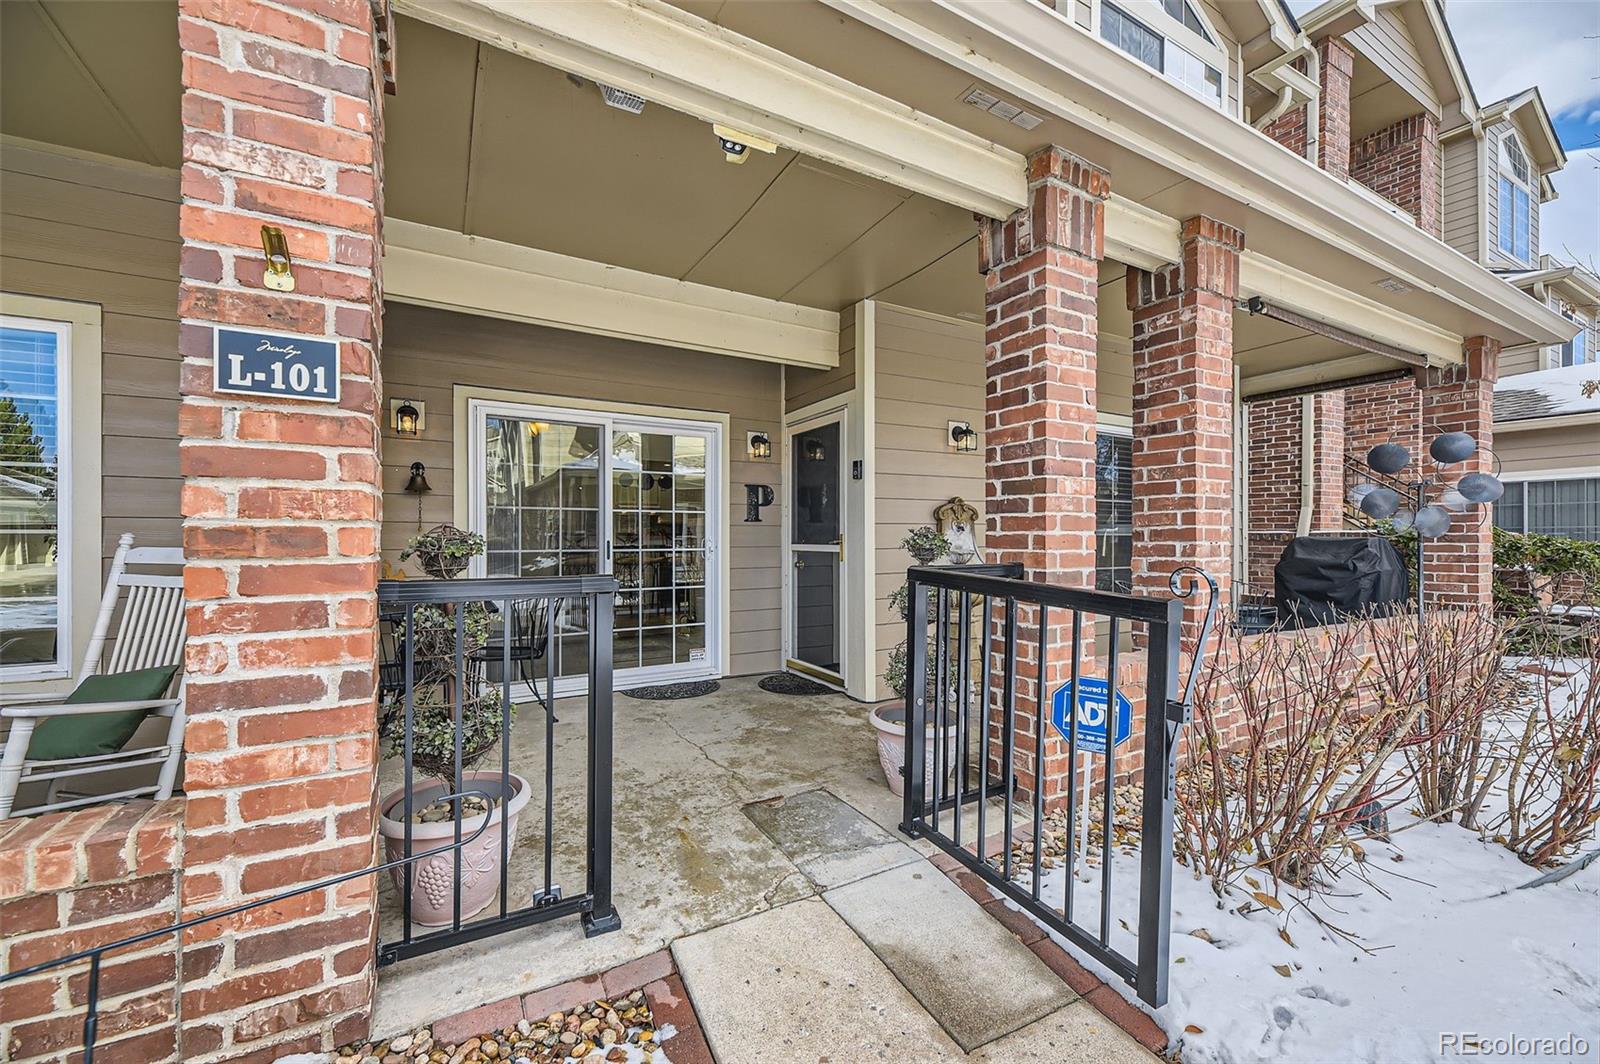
488	143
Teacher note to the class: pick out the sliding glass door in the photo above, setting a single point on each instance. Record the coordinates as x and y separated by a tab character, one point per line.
557	492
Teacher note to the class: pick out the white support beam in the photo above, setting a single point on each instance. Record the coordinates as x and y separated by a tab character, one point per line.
681	61
439	268
1315	298
1139	236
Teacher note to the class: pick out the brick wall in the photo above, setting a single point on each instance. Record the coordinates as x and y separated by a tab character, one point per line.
1386	412
1289	129
1041	277
282	125
75	880
1273	499
1401	164
1460	398
1183	411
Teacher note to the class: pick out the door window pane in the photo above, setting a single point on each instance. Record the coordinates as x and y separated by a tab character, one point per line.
30	532
815	460
543	518
816	609
659	497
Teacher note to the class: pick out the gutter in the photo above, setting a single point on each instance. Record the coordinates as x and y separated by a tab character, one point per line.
1308	468
1053	64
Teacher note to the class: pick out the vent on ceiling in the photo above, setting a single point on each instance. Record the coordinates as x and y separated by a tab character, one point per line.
1002	109
622	101
1392	284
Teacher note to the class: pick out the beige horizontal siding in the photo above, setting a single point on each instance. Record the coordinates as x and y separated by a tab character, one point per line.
1573	448
427	353
1388	43
1459	205
102	232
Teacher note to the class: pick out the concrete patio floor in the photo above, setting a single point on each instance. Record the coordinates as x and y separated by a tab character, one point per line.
686	857
755	836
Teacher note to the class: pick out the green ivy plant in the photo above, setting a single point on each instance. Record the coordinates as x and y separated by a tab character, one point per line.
442	671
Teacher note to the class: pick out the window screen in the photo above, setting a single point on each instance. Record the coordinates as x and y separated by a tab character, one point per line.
1552	507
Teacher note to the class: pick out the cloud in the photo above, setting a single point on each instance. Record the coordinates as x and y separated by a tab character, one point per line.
1569	226
1508	45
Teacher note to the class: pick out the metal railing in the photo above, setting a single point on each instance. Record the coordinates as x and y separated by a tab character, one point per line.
456	656
962	732
94	955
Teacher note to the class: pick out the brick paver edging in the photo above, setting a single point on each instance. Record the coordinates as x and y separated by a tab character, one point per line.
655	973
1089	986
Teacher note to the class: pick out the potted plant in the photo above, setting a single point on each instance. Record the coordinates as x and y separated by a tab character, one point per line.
437	680
444	551
926	545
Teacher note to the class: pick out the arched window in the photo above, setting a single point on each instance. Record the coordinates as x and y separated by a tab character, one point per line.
1515	198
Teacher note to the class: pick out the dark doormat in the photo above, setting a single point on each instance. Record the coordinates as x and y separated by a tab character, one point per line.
665	692
787	683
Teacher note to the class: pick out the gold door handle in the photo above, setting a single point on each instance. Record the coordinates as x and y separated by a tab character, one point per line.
840	542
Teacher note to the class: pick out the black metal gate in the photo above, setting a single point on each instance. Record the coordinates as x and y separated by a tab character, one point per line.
455	657
962	674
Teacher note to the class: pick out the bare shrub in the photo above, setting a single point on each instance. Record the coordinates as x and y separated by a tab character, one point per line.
1282	756
1450	665
1552	758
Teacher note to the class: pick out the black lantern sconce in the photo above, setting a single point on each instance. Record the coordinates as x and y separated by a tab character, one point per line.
407	417
814	450
963	437
758	445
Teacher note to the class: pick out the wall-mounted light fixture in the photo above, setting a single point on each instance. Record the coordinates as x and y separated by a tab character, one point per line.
963	437
408	417
758	445
814	450
418	484
276	249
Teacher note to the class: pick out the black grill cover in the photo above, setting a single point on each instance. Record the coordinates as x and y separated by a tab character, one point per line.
1321	580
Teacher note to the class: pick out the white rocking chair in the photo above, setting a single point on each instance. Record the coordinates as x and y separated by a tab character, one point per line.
151	635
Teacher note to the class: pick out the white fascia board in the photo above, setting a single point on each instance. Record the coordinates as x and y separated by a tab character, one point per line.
678	60
440	268
1560	421
1096	87
1140	236
1288	287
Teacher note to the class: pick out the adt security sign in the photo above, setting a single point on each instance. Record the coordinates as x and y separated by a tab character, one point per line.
294	367
1091	703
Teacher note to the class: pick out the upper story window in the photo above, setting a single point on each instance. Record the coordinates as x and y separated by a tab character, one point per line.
1160	52
1515	199
1575	352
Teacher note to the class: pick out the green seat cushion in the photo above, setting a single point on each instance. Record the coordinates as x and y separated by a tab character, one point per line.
64	738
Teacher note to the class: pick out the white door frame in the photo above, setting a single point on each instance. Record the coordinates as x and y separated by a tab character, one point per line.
821	413
609	422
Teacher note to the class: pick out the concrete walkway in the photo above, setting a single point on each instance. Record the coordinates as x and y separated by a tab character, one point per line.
897	964
756	838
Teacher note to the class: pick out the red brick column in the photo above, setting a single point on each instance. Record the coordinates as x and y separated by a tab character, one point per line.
1041	274
281	506
1460	398
1401	164
1183	412
1338	63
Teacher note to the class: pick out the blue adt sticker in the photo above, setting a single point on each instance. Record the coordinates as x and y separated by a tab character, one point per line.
1091	706
258	363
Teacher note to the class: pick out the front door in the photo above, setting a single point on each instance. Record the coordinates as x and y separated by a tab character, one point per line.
816	548
557	492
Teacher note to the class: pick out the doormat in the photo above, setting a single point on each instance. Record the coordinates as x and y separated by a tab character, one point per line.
787	683
666	692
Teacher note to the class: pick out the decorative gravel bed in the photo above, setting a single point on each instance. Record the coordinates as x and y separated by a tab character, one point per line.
601	1032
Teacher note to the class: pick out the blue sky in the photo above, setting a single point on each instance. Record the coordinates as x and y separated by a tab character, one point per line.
1509	45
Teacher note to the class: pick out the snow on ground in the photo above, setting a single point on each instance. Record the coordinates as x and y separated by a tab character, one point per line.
1445	946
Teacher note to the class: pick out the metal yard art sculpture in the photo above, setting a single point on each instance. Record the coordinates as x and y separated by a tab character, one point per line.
1429	504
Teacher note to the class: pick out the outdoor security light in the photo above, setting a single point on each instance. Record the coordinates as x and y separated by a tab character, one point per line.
815	452
758	445
963	437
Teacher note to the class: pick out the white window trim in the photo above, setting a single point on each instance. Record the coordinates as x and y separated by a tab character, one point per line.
78	448
1509	174
1154	17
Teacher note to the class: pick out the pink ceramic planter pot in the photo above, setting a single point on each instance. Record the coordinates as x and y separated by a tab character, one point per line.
432	878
